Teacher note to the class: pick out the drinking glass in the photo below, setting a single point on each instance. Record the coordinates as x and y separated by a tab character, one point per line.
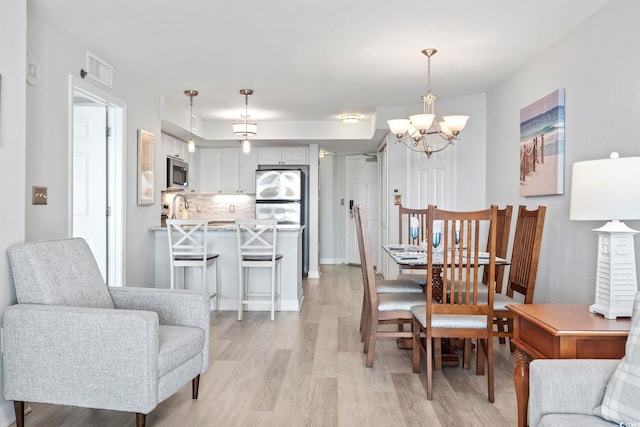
414	232
436	239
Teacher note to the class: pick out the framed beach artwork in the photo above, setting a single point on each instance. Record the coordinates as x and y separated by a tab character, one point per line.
146	150
542	146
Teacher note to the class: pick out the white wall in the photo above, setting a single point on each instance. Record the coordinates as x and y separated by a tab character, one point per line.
48	145
598	64
13	50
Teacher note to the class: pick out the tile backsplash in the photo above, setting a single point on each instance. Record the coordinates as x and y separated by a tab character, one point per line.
213	207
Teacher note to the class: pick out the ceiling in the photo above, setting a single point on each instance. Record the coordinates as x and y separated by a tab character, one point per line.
311	61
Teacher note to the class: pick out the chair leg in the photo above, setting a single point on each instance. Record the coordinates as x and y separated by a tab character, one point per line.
273	291
371	342
195	385
415	351
18	407
466	353
429	357
481	353
141	419
437	350
241	293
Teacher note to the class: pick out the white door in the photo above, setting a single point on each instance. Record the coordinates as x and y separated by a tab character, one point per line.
362	189
98	180
431	180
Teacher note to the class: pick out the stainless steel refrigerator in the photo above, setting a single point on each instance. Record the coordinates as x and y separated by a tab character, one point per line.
280	194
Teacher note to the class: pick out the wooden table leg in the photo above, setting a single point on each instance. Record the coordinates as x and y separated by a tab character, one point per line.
521	380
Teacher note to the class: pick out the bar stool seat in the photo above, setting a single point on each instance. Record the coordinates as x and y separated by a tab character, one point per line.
188	248
257	249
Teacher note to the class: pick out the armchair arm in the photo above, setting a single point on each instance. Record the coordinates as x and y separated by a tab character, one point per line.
566	386
87	357
178	307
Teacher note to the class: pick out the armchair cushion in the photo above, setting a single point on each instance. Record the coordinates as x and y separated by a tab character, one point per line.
58	272
178	344
620	401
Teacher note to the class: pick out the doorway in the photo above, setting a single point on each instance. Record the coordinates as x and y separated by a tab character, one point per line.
362	189
97	176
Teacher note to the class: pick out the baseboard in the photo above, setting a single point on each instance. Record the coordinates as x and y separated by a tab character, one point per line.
313	274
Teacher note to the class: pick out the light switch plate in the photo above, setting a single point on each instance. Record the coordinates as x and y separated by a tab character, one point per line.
39	195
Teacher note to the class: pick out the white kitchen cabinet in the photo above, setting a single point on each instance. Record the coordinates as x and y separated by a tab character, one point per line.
210	170
283	156
174	147
227	171
230	170
247	172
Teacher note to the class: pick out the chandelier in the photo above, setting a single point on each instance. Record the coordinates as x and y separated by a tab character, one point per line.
245	128
191	94
413	131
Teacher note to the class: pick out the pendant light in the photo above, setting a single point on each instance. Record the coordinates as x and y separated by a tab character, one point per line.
191	94
245	128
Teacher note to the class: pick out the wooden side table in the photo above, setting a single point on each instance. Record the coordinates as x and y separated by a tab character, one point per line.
561	331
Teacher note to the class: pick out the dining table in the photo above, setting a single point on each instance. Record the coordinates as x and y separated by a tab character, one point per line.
415	257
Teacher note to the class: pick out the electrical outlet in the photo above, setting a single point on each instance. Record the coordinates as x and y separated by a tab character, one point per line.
39	195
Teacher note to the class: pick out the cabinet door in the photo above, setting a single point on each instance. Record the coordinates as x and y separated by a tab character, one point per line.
230	167
269	156
210	171
294	156
247	176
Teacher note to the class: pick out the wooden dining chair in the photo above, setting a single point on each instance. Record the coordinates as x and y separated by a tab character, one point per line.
404	237
383	286
523	270
380	309
503	227
461	314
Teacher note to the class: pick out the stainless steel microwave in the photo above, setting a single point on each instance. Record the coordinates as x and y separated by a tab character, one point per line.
177	174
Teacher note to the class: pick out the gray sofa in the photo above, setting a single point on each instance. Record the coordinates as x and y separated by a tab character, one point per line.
71	340
588	393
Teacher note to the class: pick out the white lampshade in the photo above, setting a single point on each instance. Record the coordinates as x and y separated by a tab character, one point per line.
607	189
445	129
246	146
422	121
192	146
398	126
244	129
455	123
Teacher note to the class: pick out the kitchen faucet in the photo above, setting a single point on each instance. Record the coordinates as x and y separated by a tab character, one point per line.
173	210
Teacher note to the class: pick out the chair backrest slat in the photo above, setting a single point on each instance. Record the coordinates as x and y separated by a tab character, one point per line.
257	237
187	238
364	245
461	261
503	227
404	222
526	252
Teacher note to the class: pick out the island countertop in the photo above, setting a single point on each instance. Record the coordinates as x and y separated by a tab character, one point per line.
221	239
230	226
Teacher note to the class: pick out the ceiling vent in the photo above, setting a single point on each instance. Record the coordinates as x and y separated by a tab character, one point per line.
99	70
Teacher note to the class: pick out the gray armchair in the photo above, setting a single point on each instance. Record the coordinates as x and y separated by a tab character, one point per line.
73	341
564	392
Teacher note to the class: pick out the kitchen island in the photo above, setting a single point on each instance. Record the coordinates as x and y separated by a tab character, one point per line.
221	239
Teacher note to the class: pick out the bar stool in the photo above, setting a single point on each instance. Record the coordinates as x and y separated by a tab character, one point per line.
188	248
257	249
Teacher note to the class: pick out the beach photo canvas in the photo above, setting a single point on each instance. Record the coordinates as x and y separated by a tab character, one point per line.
542	146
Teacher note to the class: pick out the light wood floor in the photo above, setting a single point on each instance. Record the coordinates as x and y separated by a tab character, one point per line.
307	369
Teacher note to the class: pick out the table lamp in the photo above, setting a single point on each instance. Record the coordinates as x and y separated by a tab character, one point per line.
609	190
